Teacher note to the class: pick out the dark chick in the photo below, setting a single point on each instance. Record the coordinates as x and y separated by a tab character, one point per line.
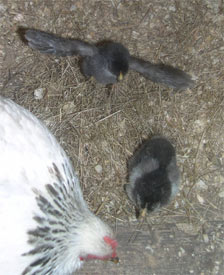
108	62
153	175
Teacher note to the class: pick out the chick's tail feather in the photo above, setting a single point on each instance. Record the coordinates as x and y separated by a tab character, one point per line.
52	44
161	73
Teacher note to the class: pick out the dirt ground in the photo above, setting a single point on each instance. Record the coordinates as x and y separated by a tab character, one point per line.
100	128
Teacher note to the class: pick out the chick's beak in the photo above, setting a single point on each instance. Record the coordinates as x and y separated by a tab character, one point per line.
120	77
141	213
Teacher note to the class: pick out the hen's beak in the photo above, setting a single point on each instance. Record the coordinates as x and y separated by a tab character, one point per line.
114	260
143	213
120	77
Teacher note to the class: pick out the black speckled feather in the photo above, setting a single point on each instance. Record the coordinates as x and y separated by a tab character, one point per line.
52	229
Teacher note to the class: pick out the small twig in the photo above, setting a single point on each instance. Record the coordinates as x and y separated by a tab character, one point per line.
101	206
108	116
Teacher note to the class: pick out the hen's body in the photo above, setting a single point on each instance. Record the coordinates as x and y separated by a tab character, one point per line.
46	226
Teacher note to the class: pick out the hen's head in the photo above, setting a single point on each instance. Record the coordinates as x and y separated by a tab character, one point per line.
97	241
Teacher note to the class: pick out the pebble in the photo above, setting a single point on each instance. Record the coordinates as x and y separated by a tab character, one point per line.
221	194
39	93
2	8
73	8
19	18
98	168
172	8
201	185
205	237
200	199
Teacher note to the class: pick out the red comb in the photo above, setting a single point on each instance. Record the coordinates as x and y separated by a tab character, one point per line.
111	242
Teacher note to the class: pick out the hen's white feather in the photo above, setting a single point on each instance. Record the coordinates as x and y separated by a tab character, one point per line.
31	159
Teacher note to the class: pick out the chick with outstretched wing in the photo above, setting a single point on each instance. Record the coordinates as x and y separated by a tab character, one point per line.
107	62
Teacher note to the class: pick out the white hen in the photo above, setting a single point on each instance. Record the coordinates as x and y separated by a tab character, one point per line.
46	227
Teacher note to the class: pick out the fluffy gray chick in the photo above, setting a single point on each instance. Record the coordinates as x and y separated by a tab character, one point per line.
153	175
